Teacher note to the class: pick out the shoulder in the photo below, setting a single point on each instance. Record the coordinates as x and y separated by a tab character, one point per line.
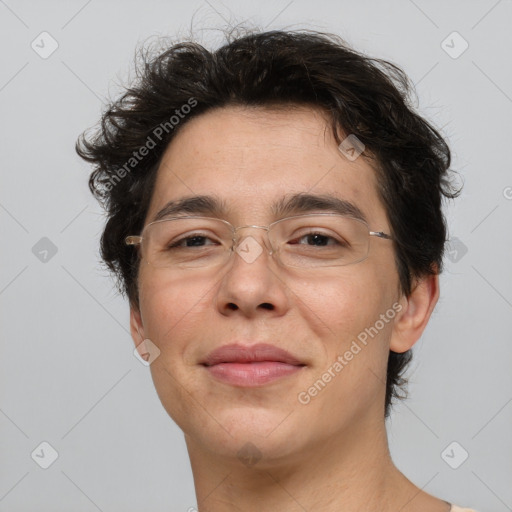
455	508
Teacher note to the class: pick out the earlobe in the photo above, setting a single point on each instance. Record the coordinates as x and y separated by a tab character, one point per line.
413	318
136	326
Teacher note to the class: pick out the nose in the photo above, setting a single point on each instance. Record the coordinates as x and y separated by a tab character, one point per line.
252	285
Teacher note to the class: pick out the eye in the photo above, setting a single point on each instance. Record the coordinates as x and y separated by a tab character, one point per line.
317	239
195	240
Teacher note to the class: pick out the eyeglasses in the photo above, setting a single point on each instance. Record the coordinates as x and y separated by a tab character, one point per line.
311	240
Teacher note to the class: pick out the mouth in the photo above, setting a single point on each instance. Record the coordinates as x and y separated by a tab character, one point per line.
251	366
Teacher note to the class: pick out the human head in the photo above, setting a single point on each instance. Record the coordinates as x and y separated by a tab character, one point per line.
360	95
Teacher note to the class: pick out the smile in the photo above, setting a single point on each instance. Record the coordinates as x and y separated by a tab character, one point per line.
251	366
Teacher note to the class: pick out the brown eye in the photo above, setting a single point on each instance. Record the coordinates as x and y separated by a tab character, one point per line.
191	241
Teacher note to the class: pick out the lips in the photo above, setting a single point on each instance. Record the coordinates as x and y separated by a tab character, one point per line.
249	366
252	354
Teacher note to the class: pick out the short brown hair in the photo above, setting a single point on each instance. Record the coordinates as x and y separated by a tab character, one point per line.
363	96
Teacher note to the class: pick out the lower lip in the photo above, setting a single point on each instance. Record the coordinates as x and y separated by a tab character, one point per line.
251	374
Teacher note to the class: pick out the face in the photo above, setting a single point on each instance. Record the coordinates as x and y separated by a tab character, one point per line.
250	159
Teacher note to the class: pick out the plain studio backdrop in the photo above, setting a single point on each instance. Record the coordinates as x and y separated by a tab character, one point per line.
74	398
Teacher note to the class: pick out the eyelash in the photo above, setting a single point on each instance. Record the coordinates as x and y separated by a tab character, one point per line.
178	244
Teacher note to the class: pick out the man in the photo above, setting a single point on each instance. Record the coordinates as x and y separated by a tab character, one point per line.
274	217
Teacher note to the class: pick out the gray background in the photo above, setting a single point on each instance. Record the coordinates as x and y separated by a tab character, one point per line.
68	374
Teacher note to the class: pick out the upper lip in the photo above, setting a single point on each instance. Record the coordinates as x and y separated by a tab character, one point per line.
235	353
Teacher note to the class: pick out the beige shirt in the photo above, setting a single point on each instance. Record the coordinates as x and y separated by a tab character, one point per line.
455	508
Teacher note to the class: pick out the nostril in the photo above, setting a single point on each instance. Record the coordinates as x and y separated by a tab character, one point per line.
232	306
267	305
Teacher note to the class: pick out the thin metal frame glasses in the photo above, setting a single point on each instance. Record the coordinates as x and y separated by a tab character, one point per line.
304	241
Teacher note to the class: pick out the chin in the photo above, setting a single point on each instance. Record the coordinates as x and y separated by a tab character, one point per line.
248	434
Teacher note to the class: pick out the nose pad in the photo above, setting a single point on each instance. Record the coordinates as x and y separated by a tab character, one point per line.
249	248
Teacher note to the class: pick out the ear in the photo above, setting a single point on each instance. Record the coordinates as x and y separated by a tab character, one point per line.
416	309
136	325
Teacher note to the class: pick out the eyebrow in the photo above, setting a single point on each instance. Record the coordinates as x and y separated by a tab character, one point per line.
295	204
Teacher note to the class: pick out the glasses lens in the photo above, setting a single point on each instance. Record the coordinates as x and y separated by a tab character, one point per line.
185	243
320	240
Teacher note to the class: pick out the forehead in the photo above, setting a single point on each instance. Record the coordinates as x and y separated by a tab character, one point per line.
253	157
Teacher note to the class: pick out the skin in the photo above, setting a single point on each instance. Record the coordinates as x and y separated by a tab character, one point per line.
331	454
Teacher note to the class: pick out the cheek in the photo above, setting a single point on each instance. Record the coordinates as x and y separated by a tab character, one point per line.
343	314
174	313
345	302
170	307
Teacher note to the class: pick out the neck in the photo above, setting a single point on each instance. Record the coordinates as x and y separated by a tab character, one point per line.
348	471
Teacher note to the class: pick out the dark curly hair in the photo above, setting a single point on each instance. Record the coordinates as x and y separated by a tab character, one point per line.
364	96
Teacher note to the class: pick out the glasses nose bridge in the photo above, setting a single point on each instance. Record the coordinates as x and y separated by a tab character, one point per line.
237	239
